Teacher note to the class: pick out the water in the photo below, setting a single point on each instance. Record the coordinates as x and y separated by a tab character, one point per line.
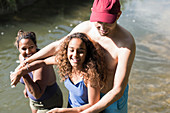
148	21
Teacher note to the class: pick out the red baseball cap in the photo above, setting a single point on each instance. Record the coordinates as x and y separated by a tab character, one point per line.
105	11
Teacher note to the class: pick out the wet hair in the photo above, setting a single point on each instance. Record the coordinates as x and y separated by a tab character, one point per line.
25	35
93	66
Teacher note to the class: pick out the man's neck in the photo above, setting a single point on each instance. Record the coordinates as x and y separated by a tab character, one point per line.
114	31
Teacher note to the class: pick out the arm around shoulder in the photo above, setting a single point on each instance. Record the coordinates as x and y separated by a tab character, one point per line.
47	51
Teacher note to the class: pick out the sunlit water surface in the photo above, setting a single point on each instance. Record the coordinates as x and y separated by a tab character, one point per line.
148	21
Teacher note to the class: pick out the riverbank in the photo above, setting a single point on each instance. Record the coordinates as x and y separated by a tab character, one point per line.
12	6
43	9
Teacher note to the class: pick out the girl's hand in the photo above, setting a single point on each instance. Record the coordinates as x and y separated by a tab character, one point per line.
15	77
25	93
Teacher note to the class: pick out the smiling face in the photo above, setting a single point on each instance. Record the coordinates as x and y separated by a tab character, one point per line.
104	28
76	52
27	47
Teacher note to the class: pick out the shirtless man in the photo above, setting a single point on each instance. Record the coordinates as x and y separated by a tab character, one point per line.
119	47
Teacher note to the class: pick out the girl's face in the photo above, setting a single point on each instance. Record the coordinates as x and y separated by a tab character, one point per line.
27	47
76	52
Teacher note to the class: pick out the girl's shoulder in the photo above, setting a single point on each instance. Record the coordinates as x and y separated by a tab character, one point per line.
21	58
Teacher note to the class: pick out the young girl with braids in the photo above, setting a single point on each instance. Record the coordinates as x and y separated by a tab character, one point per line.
40	85
81	66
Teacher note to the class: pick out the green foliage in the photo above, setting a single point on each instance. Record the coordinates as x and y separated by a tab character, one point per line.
7	6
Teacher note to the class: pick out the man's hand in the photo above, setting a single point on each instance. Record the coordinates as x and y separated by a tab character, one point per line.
56	110
22	64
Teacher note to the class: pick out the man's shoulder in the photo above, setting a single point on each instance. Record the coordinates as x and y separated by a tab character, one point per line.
125	37
87	22
83	27
124	31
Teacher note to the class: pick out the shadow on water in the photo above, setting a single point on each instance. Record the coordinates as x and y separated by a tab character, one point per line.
43	10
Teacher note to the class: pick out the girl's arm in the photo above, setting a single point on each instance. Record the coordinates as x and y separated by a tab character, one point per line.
38	84
15	77
49	50
25	92
93	97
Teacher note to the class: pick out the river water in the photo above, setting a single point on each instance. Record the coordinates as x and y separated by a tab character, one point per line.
148	21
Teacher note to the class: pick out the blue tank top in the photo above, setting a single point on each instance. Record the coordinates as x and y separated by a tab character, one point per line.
78	94
49	91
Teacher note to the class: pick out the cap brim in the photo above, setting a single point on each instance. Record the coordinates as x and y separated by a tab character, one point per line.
103	17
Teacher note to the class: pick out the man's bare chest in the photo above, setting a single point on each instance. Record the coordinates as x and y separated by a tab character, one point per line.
109	55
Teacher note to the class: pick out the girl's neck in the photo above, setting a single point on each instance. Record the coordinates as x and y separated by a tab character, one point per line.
76	69
76	76
76	72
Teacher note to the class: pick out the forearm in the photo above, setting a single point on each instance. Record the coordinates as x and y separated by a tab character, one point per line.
108	99
32	66
32	86
70	110
82	108
15	77
47	51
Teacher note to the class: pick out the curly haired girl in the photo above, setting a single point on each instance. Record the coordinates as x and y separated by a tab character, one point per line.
81	66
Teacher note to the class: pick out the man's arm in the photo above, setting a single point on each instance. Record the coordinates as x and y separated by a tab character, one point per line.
125	61
52	48
93	97
15	76
47	51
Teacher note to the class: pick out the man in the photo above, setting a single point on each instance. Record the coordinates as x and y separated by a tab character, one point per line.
119	47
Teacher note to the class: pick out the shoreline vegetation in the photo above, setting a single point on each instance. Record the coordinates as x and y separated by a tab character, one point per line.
12	6
20	10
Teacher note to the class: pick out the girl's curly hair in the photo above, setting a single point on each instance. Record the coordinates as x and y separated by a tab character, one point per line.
93	66
25	35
